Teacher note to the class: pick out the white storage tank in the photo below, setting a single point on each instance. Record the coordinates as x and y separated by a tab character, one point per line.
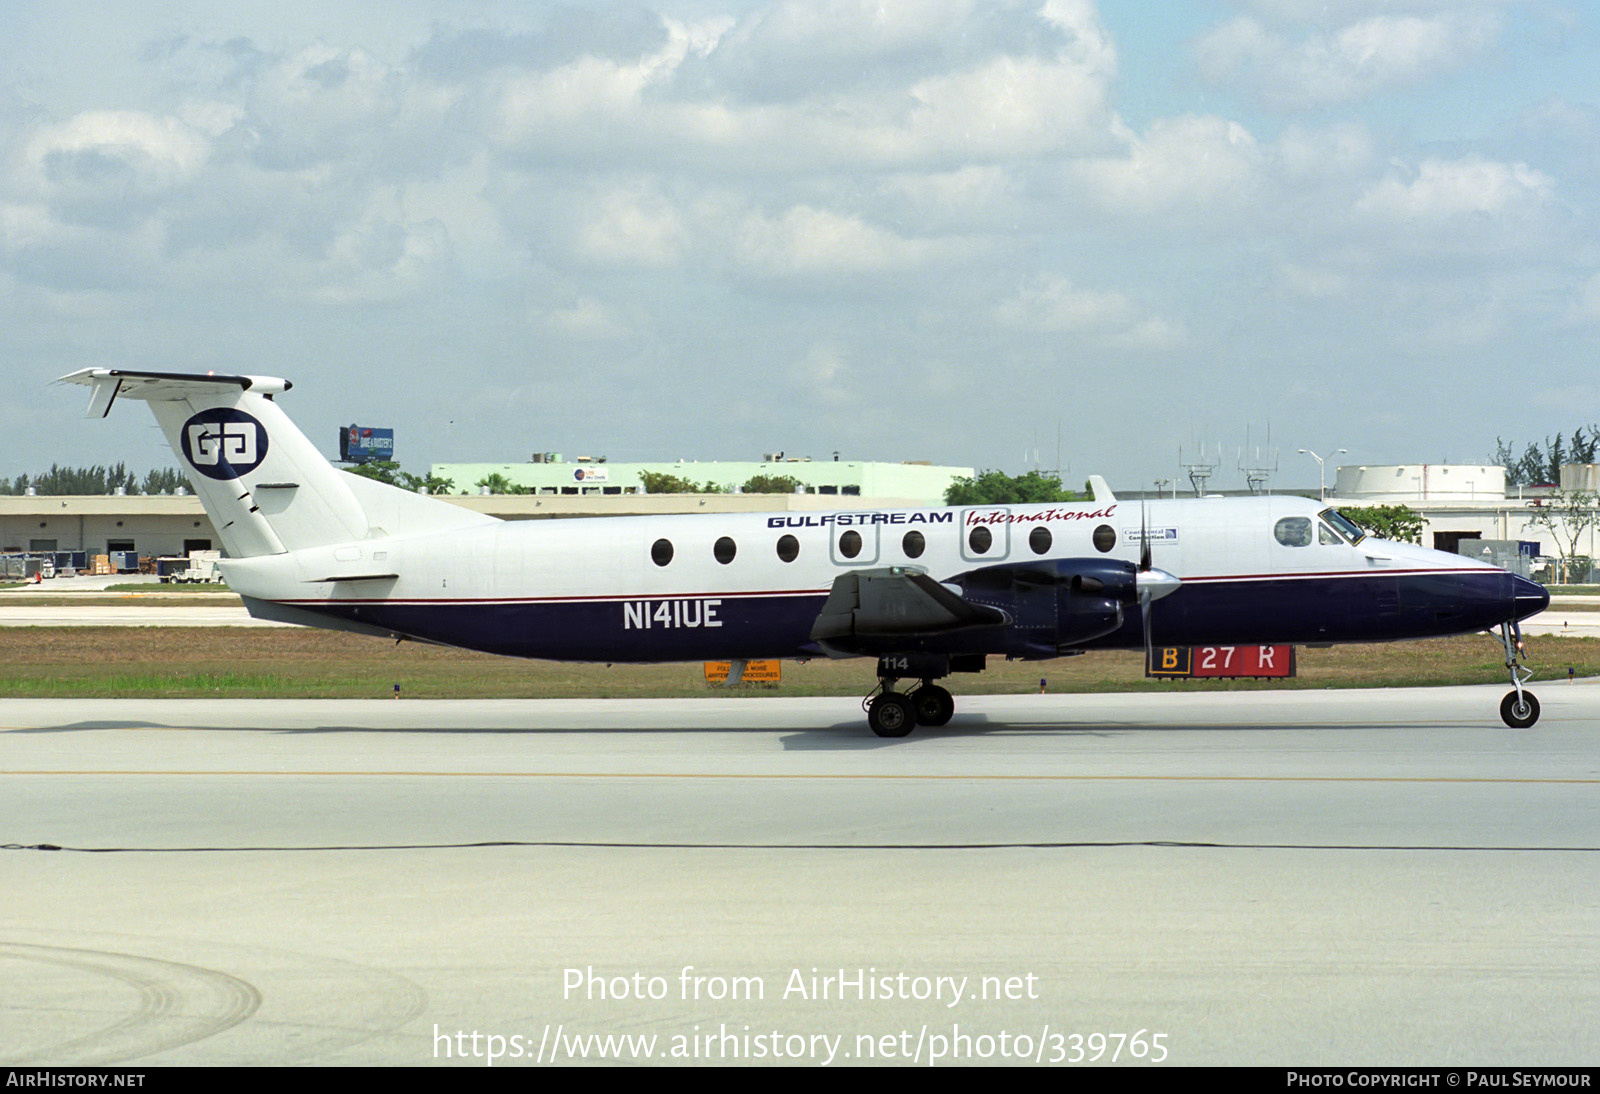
1421	482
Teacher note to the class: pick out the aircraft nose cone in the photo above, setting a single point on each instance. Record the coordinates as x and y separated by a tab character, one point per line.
1528	597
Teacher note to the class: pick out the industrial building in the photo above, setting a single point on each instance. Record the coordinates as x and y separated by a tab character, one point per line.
550	474
1468	509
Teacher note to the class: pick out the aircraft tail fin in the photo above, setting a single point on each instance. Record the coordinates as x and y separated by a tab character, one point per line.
263	483
1099	489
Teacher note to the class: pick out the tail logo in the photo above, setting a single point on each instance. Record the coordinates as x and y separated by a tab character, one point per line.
223	443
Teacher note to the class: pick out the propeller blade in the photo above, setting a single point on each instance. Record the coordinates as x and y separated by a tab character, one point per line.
1145	561
1145	564
1144	615
1151	583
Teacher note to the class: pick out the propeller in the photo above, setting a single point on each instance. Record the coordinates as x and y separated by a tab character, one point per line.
1152	584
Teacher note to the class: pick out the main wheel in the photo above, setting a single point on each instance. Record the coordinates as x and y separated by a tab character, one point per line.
933	704
891	715
1519	713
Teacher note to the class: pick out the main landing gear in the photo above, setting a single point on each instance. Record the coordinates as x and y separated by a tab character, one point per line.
1519	709
893	713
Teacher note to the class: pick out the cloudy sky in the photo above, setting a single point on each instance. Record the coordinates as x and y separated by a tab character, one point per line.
959	232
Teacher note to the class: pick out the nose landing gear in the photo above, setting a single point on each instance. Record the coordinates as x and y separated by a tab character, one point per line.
1519	709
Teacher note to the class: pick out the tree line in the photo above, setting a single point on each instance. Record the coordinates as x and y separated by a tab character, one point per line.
99	479
659	482
1539	464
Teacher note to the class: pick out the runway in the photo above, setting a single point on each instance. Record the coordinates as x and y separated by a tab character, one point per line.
1567	615
1387	877
129	615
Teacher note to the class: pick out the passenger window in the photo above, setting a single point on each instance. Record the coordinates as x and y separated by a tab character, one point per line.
724	550
850	544
980	540
1293	531
1039	540
788	548
913	544
1105	538
661	552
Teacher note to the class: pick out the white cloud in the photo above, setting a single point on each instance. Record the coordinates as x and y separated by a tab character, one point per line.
1370	54
1196	163
981	198
73	257
1586	305
1345	150
941	90
584	318
1054	305
382	259
825	372
632	225
111	165
809	242
1445	189
322	103
1313	282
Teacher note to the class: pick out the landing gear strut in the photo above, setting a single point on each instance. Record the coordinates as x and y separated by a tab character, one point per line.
1519	709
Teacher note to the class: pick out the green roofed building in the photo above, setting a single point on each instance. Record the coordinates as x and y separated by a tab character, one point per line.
550	474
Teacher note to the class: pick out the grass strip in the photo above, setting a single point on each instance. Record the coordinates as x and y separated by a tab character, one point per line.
260	663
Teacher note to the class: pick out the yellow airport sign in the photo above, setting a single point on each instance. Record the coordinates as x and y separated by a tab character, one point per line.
755	672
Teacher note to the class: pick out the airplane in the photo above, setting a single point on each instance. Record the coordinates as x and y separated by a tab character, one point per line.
927	592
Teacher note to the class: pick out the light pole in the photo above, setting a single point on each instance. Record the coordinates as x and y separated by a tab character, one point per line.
1322	478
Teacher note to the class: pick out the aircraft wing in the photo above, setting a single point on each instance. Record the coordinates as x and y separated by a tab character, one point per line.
898	608
1028	609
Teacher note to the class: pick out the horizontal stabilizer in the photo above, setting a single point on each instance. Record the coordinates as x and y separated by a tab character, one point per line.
110	384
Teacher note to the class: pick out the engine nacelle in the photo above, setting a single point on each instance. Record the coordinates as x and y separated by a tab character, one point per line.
1054	604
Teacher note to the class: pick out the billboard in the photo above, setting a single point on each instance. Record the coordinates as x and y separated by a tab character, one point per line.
363	444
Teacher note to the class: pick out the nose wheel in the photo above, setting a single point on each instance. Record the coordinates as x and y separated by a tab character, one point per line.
1519	709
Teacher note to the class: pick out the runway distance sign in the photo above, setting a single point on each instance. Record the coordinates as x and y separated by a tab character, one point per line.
1221	662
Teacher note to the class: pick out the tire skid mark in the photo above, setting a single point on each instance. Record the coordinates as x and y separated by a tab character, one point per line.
302	1007
172	1004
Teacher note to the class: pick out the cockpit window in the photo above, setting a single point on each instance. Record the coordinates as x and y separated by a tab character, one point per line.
1328	537
1293	531
1347	527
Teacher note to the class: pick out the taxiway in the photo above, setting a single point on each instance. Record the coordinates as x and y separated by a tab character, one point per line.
1384	877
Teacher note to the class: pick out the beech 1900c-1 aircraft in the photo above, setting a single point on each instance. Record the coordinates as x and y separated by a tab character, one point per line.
927	592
